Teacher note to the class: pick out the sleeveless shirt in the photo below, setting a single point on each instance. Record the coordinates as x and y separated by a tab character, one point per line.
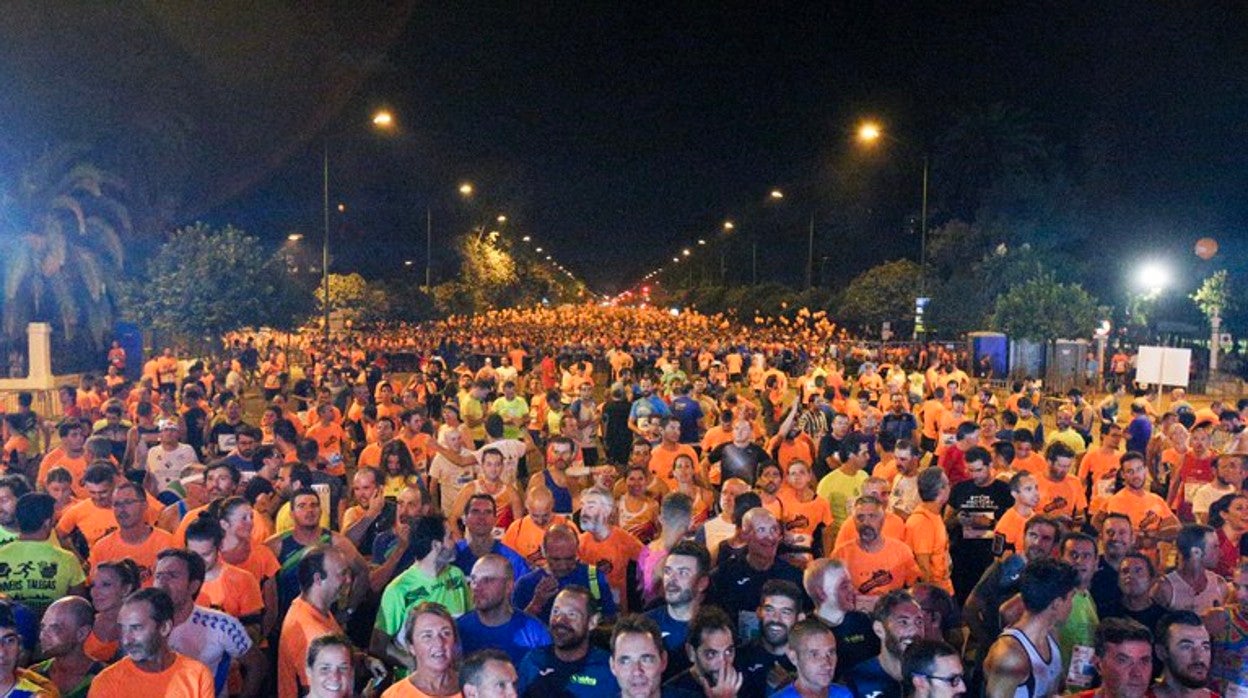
1045	677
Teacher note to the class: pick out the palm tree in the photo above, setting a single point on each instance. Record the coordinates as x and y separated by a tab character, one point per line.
60	233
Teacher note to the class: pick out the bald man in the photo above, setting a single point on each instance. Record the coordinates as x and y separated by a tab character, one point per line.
525	535
737	583
66	625
535	592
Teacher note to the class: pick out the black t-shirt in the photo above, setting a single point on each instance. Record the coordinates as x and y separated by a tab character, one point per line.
736	587
1104	587
736	461
856	642
755	664
829	447
991	501
223	435
195	418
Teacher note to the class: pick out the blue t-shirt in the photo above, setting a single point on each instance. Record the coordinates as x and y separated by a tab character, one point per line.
674	632
384	543
868	678
516	637
464	559
522	594
834	691
1139	431
689	413
647	407
543	675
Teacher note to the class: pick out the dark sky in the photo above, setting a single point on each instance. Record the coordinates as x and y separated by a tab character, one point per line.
617	135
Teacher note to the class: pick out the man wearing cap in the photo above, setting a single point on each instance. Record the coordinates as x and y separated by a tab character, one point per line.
167	460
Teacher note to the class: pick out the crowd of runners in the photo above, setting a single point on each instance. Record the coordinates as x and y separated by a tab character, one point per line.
597	501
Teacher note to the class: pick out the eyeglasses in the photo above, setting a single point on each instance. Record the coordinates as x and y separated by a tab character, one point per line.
952	679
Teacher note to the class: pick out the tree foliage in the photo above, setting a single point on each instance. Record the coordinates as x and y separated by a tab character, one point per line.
1042	309
204	282
1214	295
61	226
882	293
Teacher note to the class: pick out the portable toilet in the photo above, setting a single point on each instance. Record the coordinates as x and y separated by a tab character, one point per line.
993	345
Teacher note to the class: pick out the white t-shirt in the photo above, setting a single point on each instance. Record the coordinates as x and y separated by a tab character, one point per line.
167	466
451	477
214	638
717	531
1207	494
512	449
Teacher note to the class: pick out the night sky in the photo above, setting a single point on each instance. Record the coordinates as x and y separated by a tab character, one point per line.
617	135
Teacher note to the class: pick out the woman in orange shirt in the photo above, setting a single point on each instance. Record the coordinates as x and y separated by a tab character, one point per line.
805	515
429	635
685	473
111	583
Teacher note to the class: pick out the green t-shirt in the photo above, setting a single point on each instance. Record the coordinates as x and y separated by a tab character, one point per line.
510	409
1079	628
840	490
450	589
37	573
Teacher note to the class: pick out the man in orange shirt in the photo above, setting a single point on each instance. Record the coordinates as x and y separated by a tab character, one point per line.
1061	494
93	517
925	529
322	573
1099	467
876	564
1025	456
150	667
226	588
135	538
526	534
70	455
330	437
1012	525
893	527
605	545
932	410
1150	515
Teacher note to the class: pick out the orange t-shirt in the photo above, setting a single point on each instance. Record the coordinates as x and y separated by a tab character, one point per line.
419	446
303	624
662	457
1100	467
894	527
715	436
260	562
112	547
932	412
185	678
1145	509
329	437
886	469
877	573
1062	498
926	534
802	448
57	457
1034	464
1011	527
525	537
405	689
94	522
612	557
235	591
801	518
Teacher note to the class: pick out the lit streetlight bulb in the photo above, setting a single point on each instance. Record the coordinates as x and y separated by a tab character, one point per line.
466	189
777	194
295	237
686	252
502	219
869	132
383	119
538	249
526	238
728	225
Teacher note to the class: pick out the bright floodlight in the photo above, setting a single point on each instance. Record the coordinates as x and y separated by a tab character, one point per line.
869	132
1153	277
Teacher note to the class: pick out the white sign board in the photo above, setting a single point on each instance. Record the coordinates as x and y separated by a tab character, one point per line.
1163	366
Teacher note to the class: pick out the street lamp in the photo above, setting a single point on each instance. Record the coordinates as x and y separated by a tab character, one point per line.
777	194
382	120
466	189
295	237
1153	277
869	133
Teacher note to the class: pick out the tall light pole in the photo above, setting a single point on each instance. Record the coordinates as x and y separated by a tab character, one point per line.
382	120
870	133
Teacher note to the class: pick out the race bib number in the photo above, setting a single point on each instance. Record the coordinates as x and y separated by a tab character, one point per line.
1081	670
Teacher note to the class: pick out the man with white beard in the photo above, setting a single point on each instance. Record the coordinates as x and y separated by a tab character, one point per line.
605	545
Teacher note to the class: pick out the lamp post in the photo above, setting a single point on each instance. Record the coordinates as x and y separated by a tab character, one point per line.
383	120
870	133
